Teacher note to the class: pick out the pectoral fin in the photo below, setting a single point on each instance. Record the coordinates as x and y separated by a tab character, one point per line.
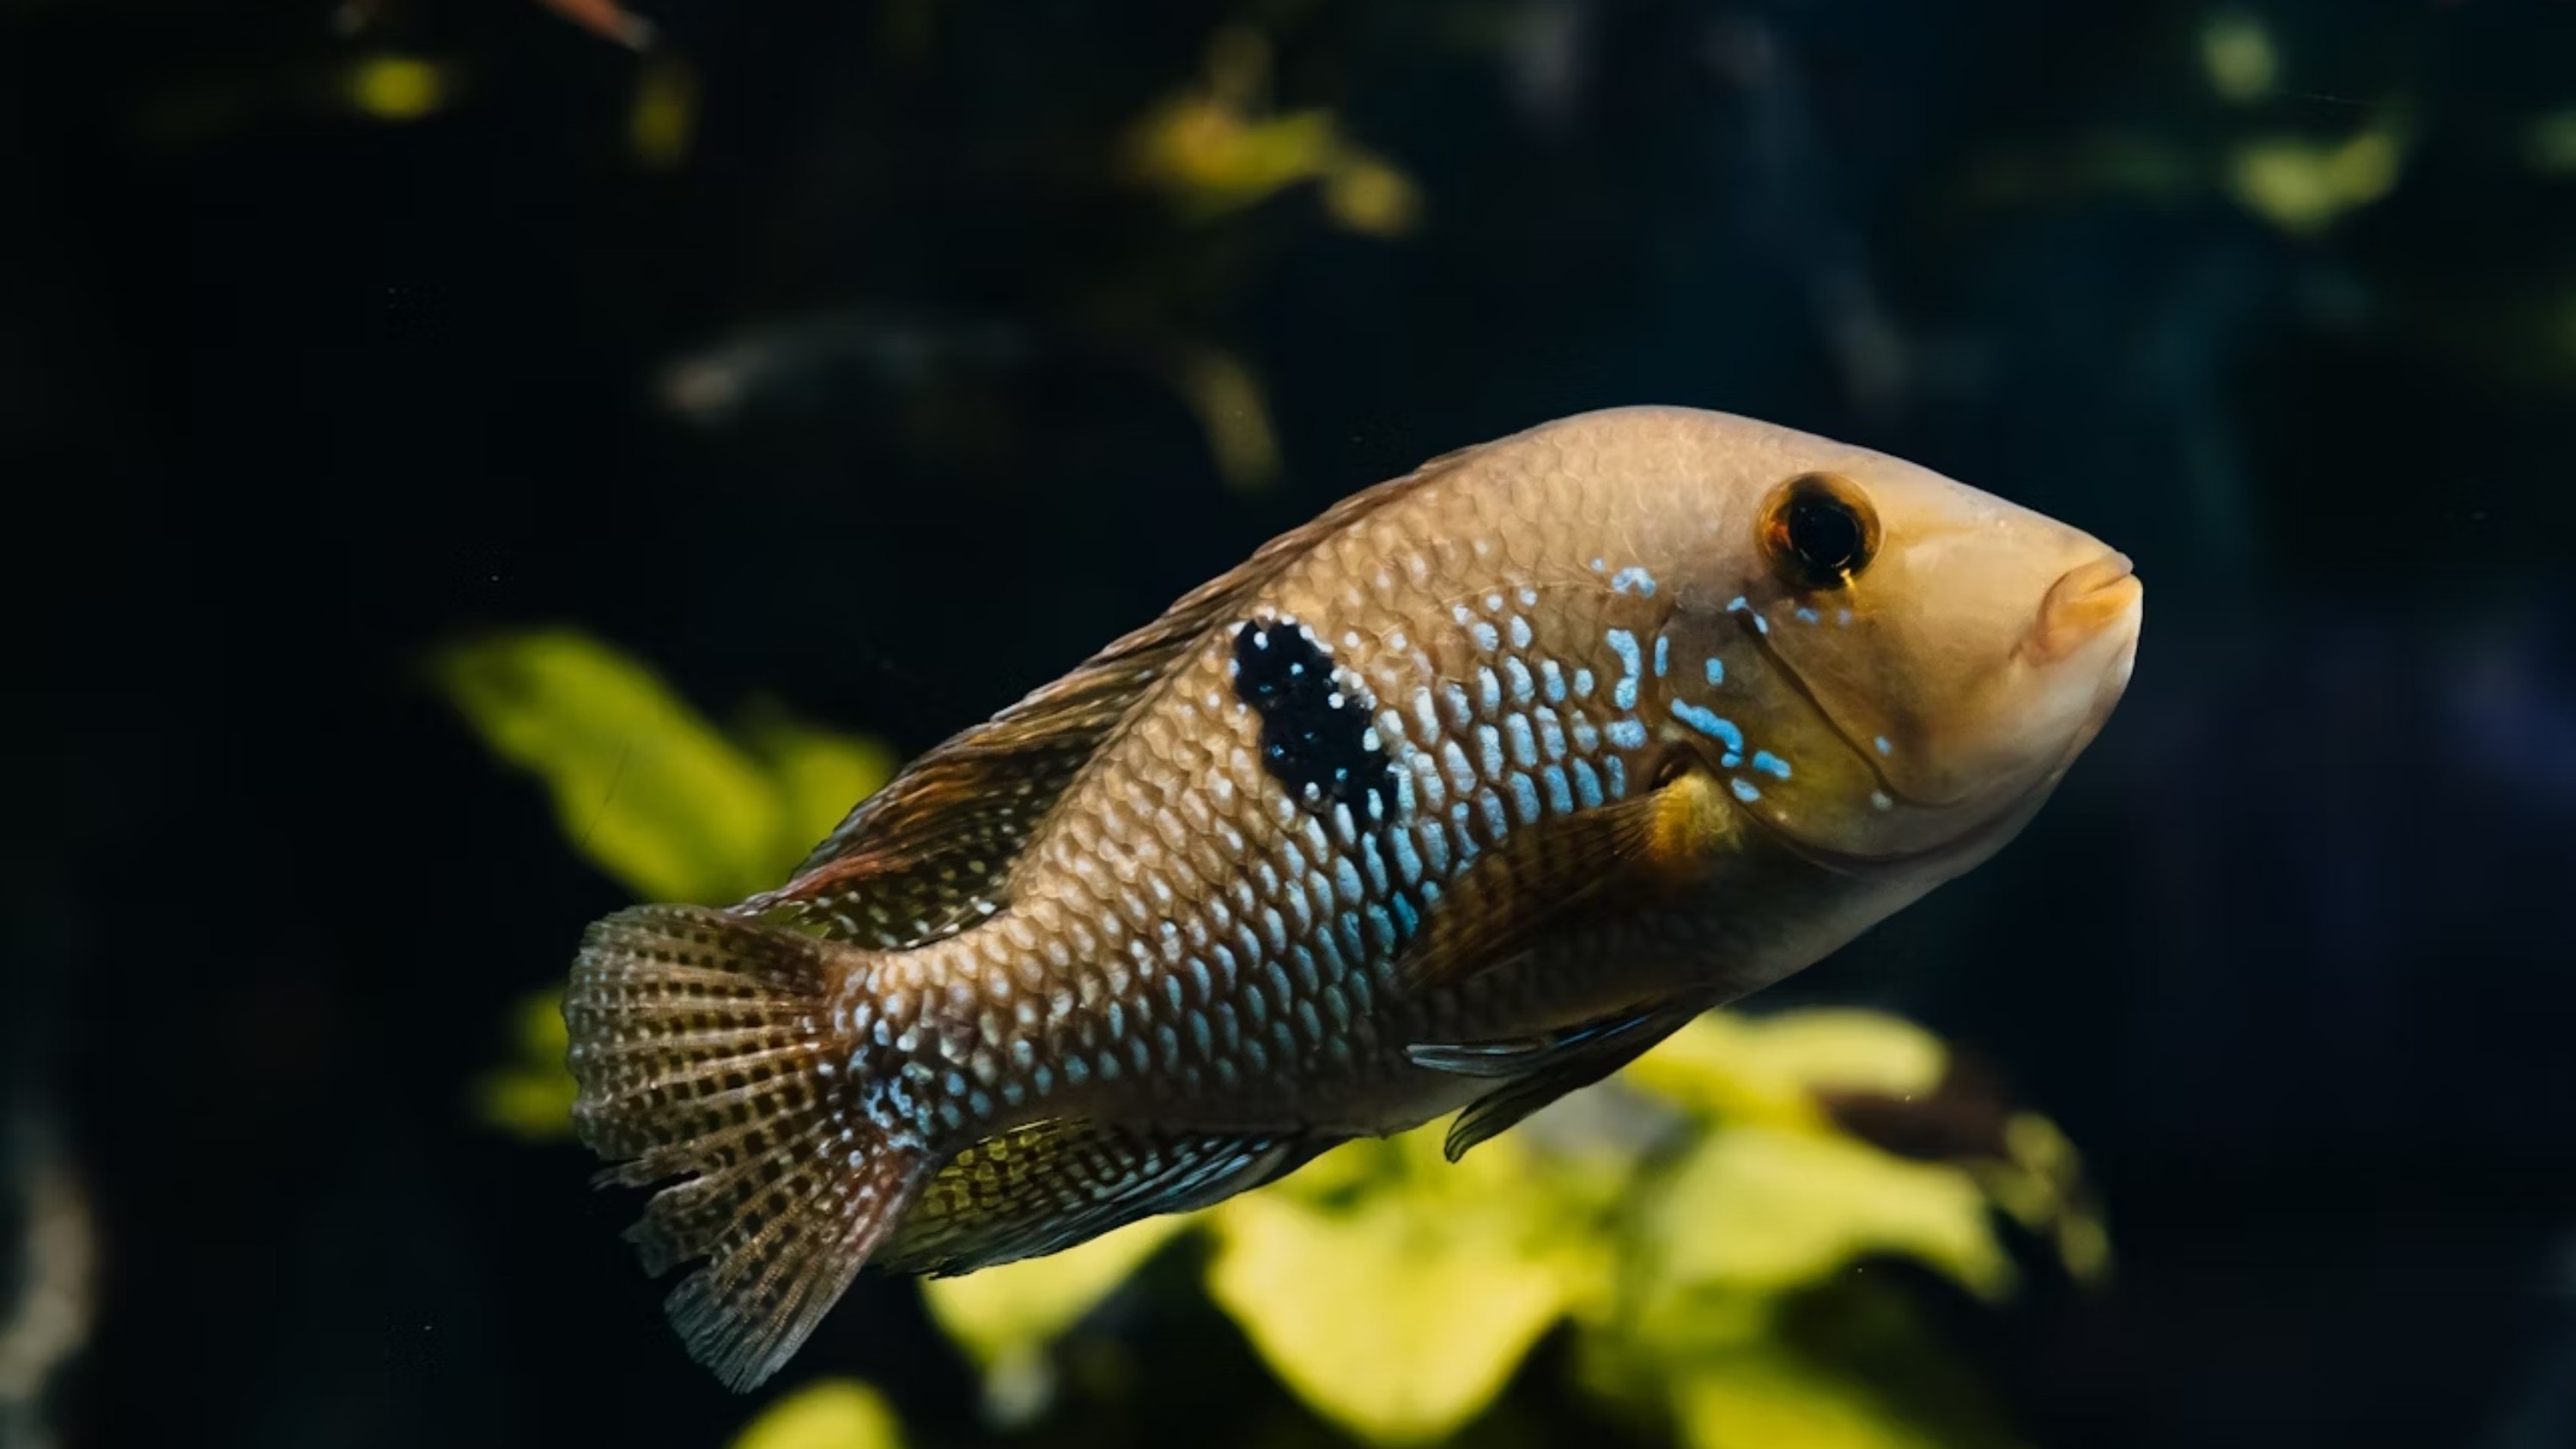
1543	1068
1543	873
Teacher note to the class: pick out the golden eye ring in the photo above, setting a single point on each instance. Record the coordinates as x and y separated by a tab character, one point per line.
1819	531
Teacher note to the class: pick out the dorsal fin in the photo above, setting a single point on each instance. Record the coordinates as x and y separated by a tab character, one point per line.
930	853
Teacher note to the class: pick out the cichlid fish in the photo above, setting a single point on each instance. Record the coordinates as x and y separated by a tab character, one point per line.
1456	799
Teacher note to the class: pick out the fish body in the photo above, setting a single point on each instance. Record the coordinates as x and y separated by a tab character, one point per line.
1460	797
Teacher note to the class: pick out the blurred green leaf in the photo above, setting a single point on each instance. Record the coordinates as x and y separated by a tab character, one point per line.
832	1414
1769	1069
642	785
531	1095
397	87
1004	1316
664	121
2237	54
2304	186
820	775
1215	148
1395	1292
1756	1209
651	793
2550	146
1773	1399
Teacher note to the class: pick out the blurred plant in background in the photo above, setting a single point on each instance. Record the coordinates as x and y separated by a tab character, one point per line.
1702	1225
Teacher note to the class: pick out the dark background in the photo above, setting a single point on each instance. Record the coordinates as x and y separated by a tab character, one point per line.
290	394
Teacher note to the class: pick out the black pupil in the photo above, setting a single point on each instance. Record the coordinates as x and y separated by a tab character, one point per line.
1824	534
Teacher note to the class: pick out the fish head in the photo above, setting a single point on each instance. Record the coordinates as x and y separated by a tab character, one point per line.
1912	663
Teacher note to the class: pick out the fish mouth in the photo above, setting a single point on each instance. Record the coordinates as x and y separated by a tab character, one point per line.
2085	601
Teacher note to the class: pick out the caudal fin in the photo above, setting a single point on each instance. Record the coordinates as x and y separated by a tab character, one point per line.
704	1050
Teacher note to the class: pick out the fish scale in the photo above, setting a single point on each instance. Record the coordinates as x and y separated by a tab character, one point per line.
1459	797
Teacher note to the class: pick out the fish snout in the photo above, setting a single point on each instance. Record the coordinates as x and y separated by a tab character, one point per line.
2086	602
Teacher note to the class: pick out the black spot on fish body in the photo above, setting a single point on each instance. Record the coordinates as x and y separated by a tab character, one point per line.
1315	731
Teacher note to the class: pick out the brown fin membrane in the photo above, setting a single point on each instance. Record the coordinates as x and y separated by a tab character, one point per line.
1565	1062
699	1042
1046	1186
1545	872
930	854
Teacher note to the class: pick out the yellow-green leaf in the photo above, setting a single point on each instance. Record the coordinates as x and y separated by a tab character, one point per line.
531	1095
1771	1400
820	775
1396	1293
2303	186
641	784
1002	1316
1769	1070
832	1414
1757	1209
2237	54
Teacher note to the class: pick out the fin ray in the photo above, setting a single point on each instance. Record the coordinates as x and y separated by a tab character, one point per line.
697	1042
1049	1185
1544	1068
1545	872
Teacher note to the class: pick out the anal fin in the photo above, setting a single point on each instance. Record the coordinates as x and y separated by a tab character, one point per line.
1043	1187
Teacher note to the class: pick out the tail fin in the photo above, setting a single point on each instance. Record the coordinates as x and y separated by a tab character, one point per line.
704	1048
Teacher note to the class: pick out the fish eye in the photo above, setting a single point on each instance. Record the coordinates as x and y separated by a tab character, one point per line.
1819	531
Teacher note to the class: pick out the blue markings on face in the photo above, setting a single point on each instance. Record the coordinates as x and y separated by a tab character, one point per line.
1632	578
1598	566
1663	655
1716	670
1552	679
1744	790
1708	722
1624	644
1883	746
1627	734
1583	684
1770	764
1807	616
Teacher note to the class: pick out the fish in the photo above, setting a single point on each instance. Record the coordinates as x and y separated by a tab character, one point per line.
1453	801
